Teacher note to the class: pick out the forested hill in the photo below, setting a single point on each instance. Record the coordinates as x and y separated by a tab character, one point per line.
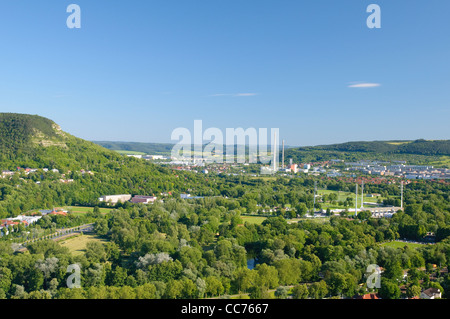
375	149
30	141
147	148
37	142
418	147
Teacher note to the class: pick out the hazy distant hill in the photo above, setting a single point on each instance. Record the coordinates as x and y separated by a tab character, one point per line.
419	151
147	148
371	150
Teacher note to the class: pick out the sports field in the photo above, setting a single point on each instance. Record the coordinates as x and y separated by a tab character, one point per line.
77	245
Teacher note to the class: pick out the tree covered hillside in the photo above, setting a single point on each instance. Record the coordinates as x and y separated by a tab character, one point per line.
30	141
36	142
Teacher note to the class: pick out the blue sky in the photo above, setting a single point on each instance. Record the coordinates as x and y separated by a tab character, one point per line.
136	70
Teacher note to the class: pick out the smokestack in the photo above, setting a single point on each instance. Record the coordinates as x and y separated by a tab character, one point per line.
315	192
356	201
275	153
402	194
282	164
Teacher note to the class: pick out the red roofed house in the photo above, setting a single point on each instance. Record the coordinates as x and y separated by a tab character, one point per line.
369	296
54	212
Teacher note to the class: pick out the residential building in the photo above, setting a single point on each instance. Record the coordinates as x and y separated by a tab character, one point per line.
431	293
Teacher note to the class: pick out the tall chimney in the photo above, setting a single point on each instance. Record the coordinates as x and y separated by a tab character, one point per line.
362	195
275	153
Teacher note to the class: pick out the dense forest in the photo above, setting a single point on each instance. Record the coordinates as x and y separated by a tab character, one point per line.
200	249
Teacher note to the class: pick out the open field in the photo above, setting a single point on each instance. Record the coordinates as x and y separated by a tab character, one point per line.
342	196
253	219
77	210
398	143
131	153
77	245
444	161
264	178
401	244
315	220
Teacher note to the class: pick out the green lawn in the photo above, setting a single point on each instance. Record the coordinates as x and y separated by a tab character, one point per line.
342	196
400	244
253	219
77	245
130	153
78	210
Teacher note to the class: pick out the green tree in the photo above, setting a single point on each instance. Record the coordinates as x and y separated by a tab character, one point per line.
318	290
413	291
300	292
214	286
281	292
267	276
389	289
5	279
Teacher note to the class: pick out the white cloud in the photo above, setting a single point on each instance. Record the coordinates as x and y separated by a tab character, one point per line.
364	85
246	94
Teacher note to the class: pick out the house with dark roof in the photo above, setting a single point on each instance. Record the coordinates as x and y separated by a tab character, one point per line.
431	293
143	199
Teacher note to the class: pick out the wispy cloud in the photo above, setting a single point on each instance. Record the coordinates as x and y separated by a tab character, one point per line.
364	85
246	94
234	94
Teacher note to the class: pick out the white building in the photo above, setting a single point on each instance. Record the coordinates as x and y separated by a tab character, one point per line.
114	199
154	157
29	219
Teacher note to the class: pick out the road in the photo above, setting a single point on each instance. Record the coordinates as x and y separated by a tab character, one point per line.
61	234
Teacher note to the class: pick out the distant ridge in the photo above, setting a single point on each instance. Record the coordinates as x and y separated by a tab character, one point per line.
392	150
418	147
147	148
